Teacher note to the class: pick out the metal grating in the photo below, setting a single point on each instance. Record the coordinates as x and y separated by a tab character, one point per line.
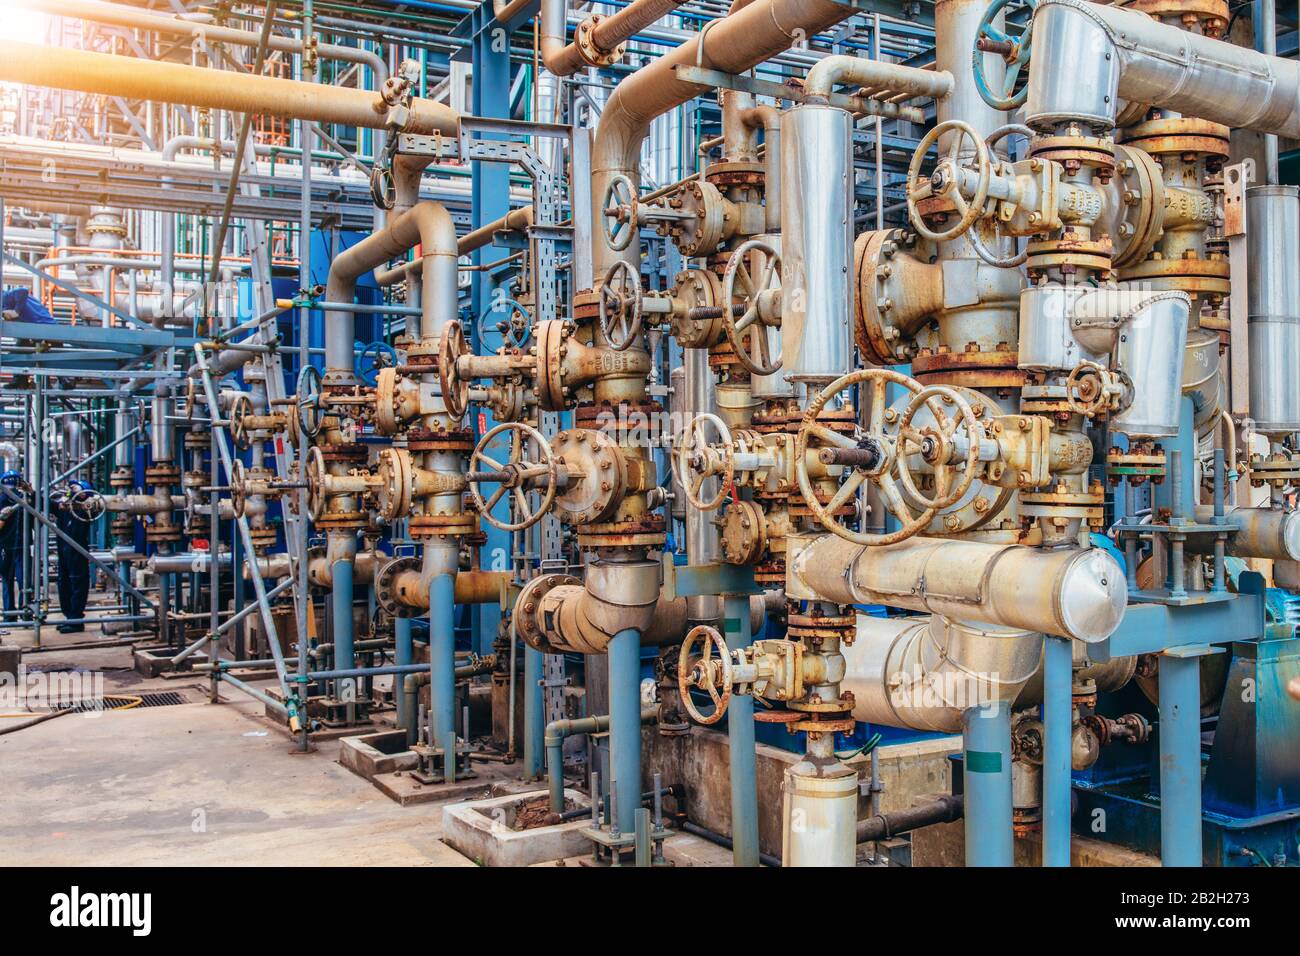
168	698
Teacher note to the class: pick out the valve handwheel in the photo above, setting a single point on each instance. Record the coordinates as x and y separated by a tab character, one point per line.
240	409
455	390
238	486
316	479
890	454
706	673
945	180
515	474
86	505
757	358
693	442
369	364
933	445
619	217
1088	381
620	306
1015	53
310	414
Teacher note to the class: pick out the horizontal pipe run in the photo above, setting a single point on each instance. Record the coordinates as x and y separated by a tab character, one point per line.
946	809
132	78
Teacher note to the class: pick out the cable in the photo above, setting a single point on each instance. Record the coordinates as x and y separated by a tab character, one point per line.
37	720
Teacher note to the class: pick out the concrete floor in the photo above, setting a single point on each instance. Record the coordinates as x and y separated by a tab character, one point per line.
193	784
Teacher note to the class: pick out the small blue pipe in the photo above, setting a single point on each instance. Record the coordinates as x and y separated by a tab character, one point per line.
740	733
345	657
403	655
1180	761
625	725
534	714
1058	720
986	772
442	656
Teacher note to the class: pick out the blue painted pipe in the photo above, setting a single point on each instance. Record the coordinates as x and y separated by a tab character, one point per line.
534	714
986	772
442	656
1058	721
403	655
625	725
1180	761
345	656
740	734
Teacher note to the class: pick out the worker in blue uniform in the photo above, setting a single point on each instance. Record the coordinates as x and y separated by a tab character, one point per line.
74	567
11	526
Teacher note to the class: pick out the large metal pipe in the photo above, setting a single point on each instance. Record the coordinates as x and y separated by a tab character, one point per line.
1115	52
430	225
68	69
923	673
1067	592
114	14
733	44
599	36
877	74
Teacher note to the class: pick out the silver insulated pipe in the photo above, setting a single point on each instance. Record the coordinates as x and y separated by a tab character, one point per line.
1273	304
816	243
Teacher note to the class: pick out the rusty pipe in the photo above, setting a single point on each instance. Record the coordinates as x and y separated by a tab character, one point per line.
734	44
68	69
430	225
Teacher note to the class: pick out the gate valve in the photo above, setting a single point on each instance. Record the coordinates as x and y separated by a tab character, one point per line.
946	180
766	669
523	471
321	485
882	457
757	265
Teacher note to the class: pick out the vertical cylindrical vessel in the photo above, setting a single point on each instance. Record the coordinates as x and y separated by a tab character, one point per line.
816	243
1273	297
819	816
1151	351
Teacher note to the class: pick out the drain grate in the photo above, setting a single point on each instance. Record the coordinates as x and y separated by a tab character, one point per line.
127	702
167	698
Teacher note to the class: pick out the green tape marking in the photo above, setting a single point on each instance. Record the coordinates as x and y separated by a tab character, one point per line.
984	761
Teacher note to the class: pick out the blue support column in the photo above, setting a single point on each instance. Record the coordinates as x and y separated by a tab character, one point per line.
986	773
442	657
1180	760
534	714
403	654
740	733
1058	720
341	610
625	725
489	54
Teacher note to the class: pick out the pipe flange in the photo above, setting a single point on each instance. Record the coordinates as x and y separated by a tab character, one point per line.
584	39
395	485
597	457
386	587
528	607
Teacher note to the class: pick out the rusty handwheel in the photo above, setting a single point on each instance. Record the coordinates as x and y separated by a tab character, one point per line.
872	455
455	390
621	299
694	451
945	181
513	476
705	673
240	410
238	488
758	305
317	476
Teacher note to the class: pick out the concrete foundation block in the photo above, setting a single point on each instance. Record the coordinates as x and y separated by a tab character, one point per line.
483	831
369	755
